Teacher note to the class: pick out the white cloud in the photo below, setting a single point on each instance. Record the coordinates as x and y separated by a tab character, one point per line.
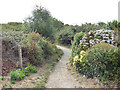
68	11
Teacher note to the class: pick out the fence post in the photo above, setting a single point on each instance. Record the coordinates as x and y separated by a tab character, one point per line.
20	55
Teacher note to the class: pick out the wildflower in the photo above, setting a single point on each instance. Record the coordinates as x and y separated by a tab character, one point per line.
82	52
76	58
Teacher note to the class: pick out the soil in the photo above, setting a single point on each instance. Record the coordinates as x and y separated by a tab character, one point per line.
84	82
7	66
35	80
10	57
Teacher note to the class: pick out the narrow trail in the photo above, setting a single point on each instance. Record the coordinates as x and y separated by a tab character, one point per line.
61	77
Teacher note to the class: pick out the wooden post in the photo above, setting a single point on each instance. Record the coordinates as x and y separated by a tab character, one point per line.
20	55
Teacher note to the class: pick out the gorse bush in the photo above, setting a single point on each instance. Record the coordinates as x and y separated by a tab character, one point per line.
33	36
35	48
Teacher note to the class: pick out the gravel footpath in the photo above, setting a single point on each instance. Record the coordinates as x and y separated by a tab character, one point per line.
61	77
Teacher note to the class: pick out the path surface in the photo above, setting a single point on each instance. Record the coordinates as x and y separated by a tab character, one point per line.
61	77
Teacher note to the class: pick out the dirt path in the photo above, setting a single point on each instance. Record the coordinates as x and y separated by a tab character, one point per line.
61	77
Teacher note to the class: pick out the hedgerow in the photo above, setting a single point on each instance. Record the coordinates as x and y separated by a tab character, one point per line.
101	59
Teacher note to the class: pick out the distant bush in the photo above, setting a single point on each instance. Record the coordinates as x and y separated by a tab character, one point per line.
41	21
14	23
78	37
64	37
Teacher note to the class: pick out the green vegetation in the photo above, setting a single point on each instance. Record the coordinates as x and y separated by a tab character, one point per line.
64	37
1	78
99	60
12	26
21	73
68	31
36	43
75	45
41	22
16	75
37	36
103	60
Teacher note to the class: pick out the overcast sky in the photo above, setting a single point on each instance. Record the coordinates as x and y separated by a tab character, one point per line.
68	11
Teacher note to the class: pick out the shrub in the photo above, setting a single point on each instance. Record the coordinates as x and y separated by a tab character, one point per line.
39	49
31	69
75	45
21	73
35	53
78	37
79	62
16	75
33	37
1	78
102	60
64	37
28	70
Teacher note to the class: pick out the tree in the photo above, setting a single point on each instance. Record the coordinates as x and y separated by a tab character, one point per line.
65	36
58	24
41	21
112	25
